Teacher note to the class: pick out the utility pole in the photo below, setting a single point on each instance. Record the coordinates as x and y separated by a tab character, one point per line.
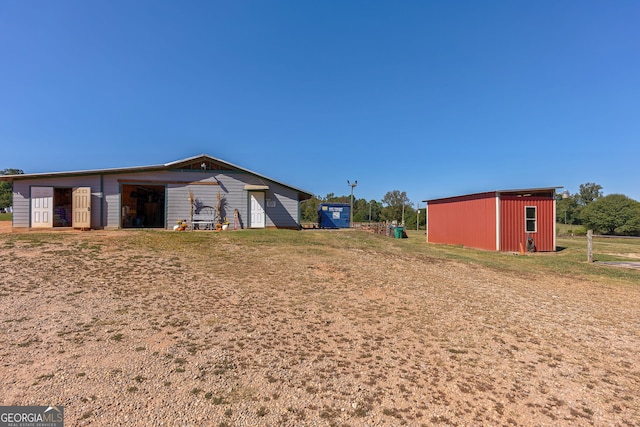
565	195
352	184
418	219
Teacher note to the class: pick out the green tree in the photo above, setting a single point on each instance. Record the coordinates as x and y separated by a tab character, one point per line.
364	210
394	202
332	198
588	193
359	210
613	214
567	210
6	188
411	221
309	210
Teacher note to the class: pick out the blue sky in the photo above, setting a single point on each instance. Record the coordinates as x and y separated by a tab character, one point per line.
435	98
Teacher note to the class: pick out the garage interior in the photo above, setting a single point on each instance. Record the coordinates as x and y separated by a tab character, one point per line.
62	199
143	206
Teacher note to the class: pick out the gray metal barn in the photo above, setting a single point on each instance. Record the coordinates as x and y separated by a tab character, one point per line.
153	196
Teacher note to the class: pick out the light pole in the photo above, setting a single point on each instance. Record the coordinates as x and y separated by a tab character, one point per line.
418	219
565	195
352	184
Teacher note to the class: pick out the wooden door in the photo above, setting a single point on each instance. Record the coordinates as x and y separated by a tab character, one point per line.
41	207
81	207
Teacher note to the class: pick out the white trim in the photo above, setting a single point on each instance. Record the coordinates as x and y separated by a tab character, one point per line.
554	224
259	221
255	187
426	221
535	219
497	221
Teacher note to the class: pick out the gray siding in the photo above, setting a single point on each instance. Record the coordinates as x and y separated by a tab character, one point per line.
285	211
177	192
282	211
21	205
178	204
22	194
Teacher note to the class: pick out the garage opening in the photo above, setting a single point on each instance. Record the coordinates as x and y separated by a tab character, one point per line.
62	200
143	206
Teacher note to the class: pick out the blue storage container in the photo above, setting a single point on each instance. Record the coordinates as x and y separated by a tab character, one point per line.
334	215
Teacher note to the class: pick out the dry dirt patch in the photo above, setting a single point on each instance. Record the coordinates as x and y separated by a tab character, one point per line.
5	226
127	334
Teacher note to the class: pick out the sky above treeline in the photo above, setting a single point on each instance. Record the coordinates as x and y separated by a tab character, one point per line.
432	98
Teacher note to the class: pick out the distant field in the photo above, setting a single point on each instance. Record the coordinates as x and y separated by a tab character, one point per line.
568	229
6	216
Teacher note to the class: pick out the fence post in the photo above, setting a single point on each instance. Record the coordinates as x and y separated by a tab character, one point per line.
590	246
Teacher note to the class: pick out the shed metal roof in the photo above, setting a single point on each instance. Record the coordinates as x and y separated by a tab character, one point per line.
521	192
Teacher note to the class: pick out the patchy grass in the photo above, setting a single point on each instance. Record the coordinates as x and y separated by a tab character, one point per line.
570	260
267	327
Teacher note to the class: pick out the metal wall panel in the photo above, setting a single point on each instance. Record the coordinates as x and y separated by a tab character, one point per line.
22	197
512	228
334	215
465	220
281	208
21	204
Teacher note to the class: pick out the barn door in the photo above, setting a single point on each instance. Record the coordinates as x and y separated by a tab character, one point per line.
257	210
41	207
81	207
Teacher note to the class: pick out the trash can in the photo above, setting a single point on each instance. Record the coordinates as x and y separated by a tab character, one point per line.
399	232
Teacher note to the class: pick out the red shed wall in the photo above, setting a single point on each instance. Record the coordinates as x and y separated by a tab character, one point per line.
466	220
512	223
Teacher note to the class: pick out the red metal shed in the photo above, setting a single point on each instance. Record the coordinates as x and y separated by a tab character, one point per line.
502	220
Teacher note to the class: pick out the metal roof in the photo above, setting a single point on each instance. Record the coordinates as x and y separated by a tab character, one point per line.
498	192
167	166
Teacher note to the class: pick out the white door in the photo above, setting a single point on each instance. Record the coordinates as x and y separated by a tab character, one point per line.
41	207
257	210
81	207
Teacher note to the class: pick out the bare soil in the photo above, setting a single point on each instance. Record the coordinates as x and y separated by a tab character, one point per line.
307	335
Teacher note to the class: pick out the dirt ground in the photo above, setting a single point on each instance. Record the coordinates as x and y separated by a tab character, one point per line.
307	335
5	226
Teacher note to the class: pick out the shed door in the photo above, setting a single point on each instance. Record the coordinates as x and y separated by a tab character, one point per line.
41	207
257	210
81	207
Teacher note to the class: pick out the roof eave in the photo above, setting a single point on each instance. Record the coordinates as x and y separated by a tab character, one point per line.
302	194
497	192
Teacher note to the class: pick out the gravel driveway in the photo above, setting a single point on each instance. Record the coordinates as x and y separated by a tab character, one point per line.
320	334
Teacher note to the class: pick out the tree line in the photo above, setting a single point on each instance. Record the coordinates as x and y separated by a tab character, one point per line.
394	206
6	189
614	214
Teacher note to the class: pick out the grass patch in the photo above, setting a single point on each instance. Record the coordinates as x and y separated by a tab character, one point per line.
570	259
117	337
